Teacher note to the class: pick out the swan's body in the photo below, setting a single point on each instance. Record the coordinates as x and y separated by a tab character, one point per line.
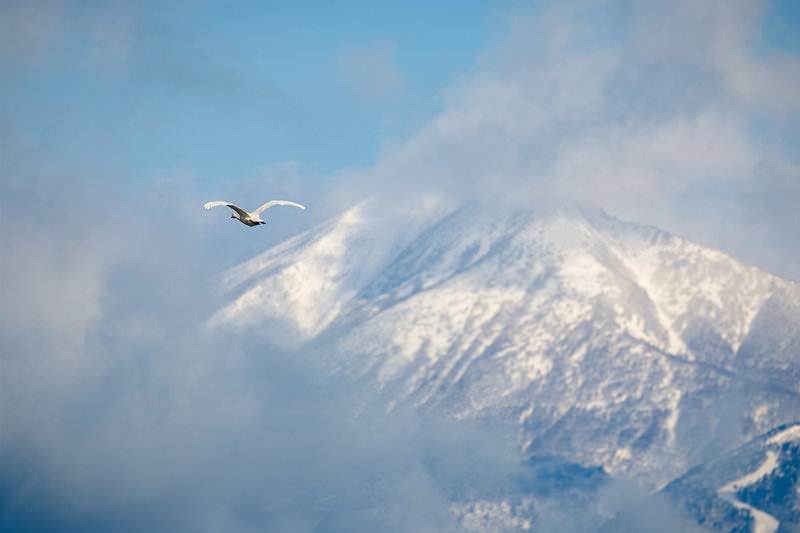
254	217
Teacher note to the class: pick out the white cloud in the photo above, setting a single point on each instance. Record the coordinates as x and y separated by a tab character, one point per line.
120	411
673	123
724	37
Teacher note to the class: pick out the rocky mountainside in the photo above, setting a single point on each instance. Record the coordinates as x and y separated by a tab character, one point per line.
607	343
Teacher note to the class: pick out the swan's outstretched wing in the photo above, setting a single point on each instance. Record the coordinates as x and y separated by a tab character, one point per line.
242	212
269	204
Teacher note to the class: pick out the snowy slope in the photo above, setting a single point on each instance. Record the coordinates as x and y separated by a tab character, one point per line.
306	282
606	342
755	487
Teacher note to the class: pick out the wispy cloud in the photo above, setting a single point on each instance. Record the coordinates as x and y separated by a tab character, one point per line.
27	29
121	410
369	72
681	122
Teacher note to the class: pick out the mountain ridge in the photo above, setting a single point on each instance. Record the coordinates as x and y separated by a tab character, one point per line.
605	341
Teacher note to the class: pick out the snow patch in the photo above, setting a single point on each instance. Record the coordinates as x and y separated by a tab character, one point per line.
764	523
488	515
766	468
787	435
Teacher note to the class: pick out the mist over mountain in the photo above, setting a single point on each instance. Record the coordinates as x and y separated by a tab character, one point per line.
605	343
464	350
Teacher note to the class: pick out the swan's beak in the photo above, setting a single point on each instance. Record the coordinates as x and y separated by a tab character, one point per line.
233	216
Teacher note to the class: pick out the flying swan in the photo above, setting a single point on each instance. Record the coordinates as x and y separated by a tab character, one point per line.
253	218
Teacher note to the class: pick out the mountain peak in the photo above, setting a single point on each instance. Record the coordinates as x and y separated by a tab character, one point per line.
579	327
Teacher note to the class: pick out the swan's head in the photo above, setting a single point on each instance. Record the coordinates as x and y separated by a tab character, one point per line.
233	215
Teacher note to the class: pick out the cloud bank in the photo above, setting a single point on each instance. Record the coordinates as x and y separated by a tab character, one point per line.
121	410
675	114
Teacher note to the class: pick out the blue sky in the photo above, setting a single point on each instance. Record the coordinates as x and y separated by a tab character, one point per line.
223	93
307	92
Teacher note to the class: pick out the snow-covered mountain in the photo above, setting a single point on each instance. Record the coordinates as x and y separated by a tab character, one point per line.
607	343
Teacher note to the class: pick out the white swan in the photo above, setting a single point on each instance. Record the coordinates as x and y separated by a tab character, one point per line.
253	218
